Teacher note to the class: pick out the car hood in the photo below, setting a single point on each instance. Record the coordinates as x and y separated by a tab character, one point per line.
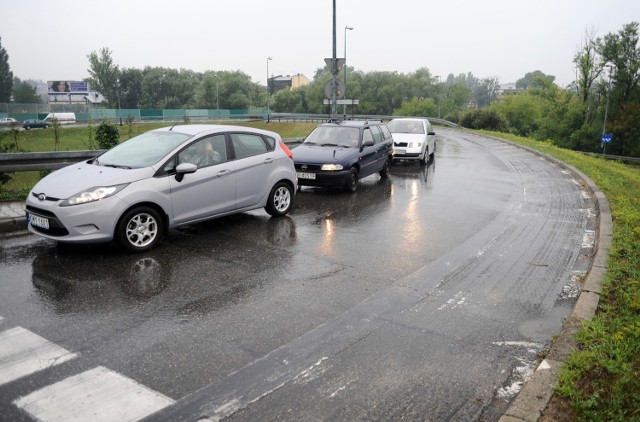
80	176
319	155
408	137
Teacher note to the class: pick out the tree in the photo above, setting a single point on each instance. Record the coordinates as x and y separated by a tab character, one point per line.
6	76
25	93
588	69
130	88
486	91
623	52
104	75
535	79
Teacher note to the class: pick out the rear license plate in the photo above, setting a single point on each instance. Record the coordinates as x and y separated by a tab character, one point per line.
306	175
41	222
399	152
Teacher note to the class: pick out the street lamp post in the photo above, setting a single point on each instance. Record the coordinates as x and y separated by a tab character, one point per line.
268	93
118	92
346	28
606	112
217	97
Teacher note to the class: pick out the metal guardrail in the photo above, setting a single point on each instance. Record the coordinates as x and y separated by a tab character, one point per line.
614	157
36	161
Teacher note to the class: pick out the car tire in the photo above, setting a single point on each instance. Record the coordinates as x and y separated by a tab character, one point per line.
353	179
27	127
425	157
280	200
385	168
140	229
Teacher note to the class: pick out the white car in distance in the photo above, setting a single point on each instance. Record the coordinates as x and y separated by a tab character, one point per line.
413	139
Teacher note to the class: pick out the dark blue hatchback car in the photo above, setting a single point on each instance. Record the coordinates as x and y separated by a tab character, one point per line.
339	154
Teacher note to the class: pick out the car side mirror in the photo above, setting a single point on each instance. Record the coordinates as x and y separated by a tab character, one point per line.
431	133
184	168
368	143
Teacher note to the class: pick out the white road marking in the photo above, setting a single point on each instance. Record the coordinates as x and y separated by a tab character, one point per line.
23	353
95	395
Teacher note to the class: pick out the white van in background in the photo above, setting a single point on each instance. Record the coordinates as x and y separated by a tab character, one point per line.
62	118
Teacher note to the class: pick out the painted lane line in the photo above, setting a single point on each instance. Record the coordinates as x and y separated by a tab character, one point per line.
96	395
23	353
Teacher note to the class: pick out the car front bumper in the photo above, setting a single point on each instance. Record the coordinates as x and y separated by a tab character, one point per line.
86	223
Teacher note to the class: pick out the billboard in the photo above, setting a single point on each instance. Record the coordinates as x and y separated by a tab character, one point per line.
70	92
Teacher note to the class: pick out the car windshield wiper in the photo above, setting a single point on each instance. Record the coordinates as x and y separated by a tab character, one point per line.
310	143
116	166
330	145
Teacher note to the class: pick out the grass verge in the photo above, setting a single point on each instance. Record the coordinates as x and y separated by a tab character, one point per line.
601	379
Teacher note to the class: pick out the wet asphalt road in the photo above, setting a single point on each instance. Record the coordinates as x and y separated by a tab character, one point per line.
428	295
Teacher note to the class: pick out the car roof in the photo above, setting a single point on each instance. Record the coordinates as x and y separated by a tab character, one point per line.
200	129
412	119
353	123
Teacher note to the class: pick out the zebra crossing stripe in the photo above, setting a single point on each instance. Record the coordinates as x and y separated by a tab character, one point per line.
23	353
96	395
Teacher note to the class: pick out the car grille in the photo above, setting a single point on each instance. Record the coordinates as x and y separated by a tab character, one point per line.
307	167
56	228
400	144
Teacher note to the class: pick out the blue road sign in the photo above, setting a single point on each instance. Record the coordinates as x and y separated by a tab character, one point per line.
607	137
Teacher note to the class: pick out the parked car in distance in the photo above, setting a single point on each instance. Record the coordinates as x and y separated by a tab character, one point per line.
34	123
165	178
61	118
413	139
8	121
339	154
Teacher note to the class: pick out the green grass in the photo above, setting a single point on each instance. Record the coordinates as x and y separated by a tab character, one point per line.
601	380
78	138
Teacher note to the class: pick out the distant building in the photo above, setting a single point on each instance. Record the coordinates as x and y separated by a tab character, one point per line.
508	89
278	83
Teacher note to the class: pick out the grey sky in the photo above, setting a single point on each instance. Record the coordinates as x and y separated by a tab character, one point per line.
50	40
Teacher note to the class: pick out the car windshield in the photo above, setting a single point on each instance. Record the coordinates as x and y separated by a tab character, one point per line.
405	126
144	150
342	136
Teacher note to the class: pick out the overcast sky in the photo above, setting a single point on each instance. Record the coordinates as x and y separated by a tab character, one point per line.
50	40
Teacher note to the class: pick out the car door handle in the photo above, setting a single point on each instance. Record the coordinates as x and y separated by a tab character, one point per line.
224	172
268	160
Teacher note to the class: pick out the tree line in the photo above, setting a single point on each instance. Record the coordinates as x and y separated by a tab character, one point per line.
607	76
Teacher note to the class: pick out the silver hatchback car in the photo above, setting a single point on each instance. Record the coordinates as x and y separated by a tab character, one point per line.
138	190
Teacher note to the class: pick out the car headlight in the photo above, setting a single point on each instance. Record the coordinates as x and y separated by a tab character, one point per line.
415	144
91	195
331	167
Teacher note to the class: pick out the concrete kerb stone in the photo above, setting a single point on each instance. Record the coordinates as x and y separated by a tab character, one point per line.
534	397
12	217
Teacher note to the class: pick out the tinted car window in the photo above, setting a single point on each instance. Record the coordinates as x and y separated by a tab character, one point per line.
271	142
247	145
367	136
205	152
386	132
377	135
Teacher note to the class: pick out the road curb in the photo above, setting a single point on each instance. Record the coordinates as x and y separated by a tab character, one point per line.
535	395
8	225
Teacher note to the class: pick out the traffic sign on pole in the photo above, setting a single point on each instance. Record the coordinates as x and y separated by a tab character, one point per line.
607	137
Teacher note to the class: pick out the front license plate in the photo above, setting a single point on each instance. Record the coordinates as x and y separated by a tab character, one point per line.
306	175
41	222
400	152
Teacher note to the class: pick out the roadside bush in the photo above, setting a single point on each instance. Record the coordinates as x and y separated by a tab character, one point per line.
484	118
107	135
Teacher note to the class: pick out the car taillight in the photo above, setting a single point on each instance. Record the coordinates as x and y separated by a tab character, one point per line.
286	150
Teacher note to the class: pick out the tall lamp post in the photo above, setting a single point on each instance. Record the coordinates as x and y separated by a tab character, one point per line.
268	93
606	111
346	28
118	92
